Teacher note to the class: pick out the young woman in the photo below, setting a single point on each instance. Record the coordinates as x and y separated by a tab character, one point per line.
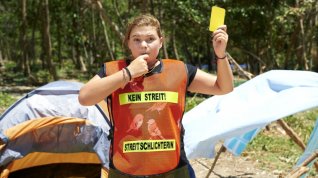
146	97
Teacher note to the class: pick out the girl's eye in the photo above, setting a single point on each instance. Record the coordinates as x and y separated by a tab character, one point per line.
136	40
150	39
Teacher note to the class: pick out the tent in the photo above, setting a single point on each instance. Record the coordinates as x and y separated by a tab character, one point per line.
48	126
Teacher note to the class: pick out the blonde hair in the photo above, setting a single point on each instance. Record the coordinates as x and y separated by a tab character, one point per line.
142	20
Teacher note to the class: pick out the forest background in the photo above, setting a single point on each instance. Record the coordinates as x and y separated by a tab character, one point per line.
49	40
43	41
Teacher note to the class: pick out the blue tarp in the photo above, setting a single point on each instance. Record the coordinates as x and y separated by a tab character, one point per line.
238	116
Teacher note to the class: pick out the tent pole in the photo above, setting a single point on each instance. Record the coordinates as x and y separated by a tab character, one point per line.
222	149
293	135
302	169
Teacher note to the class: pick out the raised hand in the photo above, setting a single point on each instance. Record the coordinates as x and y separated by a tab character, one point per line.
138	66
219	41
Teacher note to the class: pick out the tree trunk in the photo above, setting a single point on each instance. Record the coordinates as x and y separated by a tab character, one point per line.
315	62
189	57
144	6
83	66
75	45
23	40
79	62
303	41
93	42
59	41
291	46
6	55
152	9
109	22
164	44
1	59
104	19
111	55
32	51
47	39
302	49
175	49
80	32
115	2
312	48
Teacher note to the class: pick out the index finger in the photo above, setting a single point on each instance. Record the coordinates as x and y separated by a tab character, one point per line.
220	29
144	56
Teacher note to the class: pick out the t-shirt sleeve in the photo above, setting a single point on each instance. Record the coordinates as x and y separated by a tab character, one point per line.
102	73
192	70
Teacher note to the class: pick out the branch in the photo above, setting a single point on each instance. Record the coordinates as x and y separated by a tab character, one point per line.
241	71
290	132
253	55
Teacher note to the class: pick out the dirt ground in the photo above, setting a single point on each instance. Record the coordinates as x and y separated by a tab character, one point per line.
229	166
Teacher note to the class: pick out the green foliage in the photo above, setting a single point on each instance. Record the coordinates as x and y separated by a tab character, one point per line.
192	101
11	75
5	101
43	76
275	150
264	35
238	81
303	123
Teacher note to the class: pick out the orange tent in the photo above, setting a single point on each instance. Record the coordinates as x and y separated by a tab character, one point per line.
48	127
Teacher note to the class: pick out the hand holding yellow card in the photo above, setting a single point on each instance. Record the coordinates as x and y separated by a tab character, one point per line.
217	18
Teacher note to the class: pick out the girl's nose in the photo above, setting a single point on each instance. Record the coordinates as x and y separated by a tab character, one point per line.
144	44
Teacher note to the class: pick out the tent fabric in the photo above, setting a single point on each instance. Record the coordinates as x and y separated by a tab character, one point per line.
41	158
251	106
50	120
54	99
56	135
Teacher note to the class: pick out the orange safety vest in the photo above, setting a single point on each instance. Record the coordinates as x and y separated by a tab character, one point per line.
147	115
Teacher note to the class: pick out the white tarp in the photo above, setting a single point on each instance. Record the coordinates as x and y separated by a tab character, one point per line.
252	105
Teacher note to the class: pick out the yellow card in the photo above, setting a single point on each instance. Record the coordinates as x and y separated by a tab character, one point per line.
217	18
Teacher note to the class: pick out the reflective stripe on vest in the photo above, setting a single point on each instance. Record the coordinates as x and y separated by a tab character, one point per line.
147	115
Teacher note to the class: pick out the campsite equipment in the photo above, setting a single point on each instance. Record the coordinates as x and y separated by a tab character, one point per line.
48	126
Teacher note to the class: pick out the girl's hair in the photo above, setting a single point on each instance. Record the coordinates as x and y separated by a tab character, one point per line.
142	20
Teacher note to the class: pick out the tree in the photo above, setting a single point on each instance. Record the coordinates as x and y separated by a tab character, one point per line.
47	39
23	40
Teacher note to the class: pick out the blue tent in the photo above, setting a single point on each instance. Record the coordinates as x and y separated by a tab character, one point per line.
49	126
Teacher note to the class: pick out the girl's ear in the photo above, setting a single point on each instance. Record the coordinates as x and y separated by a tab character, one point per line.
161	41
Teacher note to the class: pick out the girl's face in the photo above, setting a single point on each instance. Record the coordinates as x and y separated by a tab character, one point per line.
145	40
